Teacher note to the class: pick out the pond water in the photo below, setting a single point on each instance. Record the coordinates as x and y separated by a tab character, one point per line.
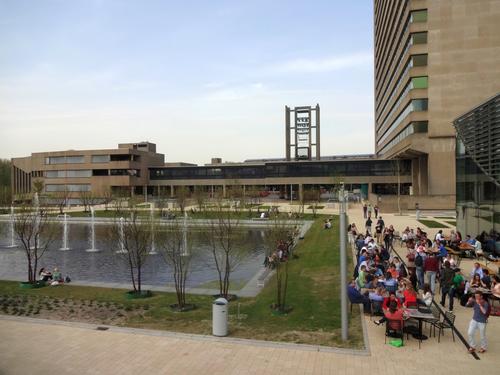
106	266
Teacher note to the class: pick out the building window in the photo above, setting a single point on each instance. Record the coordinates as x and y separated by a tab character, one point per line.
120	157
419	38
64	160
100	172
419	82
69	174
419	60
70	187
418	16
100	158
420	104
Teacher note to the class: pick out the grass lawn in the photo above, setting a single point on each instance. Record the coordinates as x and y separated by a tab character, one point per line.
313	292
451	222
432	224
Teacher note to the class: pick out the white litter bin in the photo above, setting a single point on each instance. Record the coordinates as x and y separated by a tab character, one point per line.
219	317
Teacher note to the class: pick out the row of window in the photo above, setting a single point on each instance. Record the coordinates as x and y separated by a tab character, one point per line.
413	61
79	159
50	188
351	168
414	106
417	38
64	159
92	172
68	174
414	127
414	83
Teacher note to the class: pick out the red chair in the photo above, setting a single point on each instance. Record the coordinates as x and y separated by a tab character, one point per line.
394	328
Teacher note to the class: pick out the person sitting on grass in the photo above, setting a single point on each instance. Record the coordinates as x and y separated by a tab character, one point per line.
44	275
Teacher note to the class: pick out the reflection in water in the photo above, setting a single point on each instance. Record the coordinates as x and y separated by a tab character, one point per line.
104	266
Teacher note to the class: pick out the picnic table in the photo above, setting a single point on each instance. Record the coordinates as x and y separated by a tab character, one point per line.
420	316
466	246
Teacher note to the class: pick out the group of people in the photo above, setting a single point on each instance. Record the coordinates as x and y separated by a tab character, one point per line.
52	278
281	253
386	286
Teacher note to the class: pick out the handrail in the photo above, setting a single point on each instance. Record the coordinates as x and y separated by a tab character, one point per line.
450	323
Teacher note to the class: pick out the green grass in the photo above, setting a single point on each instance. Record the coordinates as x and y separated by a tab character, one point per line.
313	292
432	224
451	222
445	217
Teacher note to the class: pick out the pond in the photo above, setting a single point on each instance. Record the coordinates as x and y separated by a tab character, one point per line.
106	266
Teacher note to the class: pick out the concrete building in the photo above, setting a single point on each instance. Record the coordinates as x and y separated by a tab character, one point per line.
123	170
434	60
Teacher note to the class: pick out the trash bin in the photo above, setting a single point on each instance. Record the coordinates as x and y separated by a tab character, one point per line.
219	317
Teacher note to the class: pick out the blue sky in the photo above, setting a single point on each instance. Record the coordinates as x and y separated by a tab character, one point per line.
199	78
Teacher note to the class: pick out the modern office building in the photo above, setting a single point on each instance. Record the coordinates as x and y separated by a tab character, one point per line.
478	168
434	60
123	170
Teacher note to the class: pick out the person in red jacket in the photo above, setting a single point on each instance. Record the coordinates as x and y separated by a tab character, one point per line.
431	268
387	301
393	313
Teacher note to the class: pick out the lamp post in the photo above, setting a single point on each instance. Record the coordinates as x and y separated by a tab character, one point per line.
343	260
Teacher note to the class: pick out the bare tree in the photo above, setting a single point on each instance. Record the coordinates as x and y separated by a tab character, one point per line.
176	251
182	194
87	199
279	239
313	197
38	186
107	198
36	233
200	197
60	199
130	240
226	243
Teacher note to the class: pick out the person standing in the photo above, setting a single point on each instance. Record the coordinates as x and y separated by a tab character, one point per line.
365	209
478	321
419	266
368	225
375	210
431	268
447	283
370	209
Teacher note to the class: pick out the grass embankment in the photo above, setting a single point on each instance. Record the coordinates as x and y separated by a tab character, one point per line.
432	224
313	292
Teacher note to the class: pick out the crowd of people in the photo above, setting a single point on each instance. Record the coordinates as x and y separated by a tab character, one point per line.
386	285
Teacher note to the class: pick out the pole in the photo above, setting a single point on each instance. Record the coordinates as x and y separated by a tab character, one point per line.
291	194
343	264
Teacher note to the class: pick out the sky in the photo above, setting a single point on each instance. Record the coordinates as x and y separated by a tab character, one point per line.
201	79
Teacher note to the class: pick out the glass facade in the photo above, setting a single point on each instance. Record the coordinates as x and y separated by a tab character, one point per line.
478	169
309	169
478	197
